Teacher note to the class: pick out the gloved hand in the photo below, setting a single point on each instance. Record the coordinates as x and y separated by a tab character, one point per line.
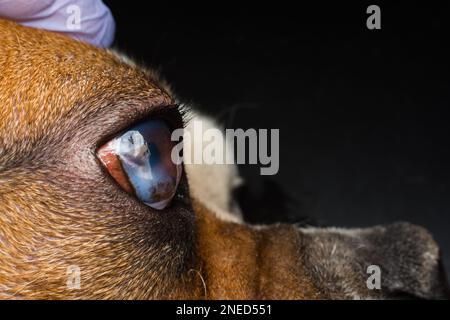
86	20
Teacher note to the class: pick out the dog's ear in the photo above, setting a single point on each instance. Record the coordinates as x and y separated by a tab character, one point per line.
410	259
406	257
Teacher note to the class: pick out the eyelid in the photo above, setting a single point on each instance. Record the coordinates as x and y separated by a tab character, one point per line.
168	113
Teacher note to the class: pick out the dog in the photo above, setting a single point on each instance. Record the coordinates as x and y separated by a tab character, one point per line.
63	207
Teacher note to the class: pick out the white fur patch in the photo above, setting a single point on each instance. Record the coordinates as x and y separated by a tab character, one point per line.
213	184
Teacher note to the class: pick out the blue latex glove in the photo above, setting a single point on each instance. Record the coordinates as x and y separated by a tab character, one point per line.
86	20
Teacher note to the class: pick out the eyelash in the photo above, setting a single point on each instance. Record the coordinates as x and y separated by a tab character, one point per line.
175	115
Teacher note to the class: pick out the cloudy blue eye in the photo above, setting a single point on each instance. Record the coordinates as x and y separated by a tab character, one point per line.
140	161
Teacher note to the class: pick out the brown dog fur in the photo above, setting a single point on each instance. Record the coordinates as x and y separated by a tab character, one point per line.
59	101
59	97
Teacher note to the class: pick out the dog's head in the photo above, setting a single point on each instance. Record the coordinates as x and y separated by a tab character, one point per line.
62	210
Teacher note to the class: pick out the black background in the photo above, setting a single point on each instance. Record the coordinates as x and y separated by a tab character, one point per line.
363	114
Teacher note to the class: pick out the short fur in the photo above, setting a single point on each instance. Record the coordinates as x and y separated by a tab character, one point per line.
59	100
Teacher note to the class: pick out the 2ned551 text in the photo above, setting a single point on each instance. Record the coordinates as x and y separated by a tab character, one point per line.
225	309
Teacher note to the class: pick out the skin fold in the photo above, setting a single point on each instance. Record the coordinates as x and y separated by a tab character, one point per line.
59	101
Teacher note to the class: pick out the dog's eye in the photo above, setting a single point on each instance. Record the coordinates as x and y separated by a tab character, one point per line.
140	161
